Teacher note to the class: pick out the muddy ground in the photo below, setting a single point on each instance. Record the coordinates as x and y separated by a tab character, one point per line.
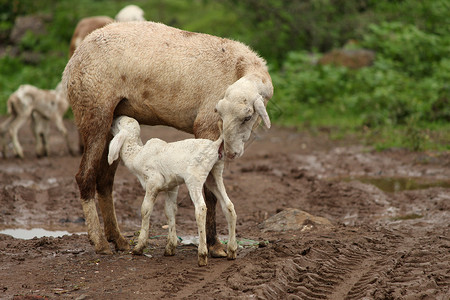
389	239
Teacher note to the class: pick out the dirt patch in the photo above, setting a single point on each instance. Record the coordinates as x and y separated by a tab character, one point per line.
381	245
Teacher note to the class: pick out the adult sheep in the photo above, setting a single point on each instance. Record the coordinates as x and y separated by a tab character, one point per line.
159	75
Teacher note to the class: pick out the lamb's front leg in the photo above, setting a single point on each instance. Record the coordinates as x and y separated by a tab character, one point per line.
195	191
215	184
146	212
170	209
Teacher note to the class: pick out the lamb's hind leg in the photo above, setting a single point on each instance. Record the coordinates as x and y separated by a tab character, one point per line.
170	209
106	203
195	191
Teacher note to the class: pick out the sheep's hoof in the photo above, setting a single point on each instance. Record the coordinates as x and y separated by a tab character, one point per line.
103	249
202	260
217	250
121	244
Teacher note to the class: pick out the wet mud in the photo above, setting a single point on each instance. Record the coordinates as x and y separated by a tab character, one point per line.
389	236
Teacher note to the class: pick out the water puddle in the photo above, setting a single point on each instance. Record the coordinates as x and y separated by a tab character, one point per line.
397	184
28	234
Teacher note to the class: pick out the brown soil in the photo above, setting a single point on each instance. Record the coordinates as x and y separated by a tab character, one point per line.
382	245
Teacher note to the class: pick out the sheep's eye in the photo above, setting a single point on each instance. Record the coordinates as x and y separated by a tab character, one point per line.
247	119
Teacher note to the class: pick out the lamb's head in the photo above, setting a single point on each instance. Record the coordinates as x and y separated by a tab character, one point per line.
123	127
124	123
239	111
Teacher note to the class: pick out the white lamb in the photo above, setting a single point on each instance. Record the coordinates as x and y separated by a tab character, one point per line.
43	106
162	166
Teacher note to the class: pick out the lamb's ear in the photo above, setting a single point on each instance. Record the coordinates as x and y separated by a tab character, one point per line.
115	145
261	110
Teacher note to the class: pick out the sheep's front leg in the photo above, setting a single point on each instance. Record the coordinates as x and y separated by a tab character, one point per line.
215	184
170	209
195	191
146	211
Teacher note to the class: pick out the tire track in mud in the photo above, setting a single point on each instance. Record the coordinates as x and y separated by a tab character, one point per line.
190	282
386	266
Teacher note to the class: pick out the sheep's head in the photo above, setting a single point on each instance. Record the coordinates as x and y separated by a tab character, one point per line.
239	111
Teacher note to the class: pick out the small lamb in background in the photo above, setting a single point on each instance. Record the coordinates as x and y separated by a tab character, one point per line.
130	13
162	166
43	106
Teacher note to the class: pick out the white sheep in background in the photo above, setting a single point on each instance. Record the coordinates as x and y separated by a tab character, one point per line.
130	13
162	166
159	75
43	106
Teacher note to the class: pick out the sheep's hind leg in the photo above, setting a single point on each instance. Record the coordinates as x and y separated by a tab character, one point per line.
106	203
86	183
215	247
170	209
146	212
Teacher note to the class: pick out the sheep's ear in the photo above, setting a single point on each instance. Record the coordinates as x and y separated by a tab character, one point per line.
115	145
261	110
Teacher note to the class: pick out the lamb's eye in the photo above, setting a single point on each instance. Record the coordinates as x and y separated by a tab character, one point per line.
247	119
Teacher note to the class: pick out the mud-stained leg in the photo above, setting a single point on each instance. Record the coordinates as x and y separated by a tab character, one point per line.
215	247
146	212
95	136
195	192
215	184
170	208
105	181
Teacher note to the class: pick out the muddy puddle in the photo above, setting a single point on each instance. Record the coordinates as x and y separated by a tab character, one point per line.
399	184
28	234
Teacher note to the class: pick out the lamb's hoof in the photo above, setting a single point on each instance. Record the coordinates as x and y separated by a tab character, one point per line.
231	255
121	244
217	250
202	260
137	251
169	251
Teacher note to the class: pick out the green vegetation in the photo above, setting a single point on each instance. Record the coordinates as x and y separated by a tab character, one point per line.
402	100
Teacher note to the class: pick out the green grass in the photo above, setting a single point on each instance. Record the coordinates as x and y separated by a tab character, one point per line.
402	101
